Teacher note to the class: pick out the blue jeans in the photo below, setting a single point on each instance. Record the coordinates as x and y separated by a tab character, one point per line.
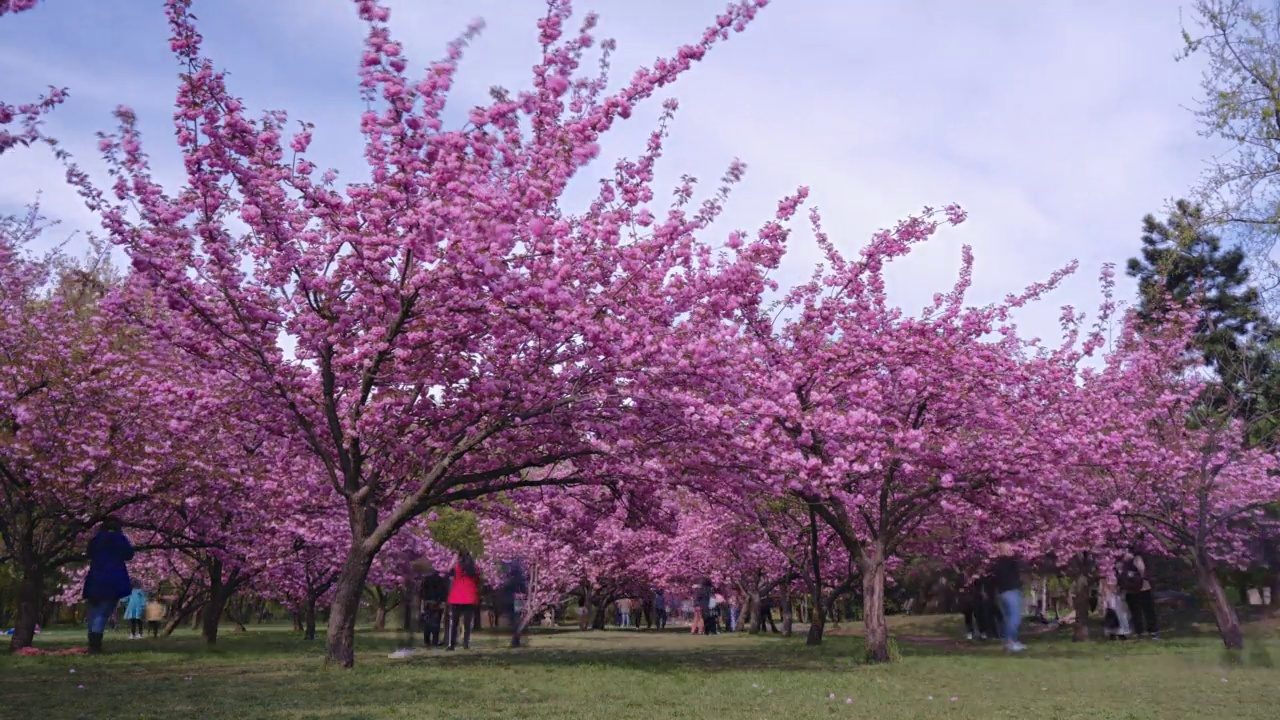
99	613
1011	605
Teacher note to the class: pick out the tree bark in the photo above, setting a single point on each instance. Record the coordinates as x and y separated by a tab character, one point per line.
817	623
211	618
340	648
788	611
310	620
1080	588
818	617
220	592
753	613
1224	613
873	576
30	600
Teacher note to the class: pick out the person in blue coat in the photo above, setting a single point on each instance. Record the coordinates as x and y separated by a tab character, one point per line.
134	610
108	579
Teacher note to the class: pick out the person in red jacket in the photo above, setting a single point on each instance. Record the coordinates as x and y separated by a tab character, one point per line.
464	599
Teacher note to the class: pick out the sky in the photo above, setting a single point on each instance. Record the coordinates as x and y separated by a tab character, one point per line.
1057	126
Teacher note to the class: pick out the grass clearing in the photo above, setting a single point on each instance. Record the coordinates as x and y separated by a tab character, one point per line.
271	673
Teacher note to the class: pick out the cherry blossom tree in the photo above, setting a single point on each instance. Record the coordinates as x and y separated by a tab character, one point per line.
447	324
874	418
94	419
1179	468
27	115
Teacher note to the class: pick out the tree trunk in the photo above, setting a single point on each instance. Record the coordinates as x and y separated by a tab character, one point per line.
220	593
817	623
212	616
310	620
340	643
876	629
30	600
1224	613
380	619
788	611
754	614
1080	587
818	617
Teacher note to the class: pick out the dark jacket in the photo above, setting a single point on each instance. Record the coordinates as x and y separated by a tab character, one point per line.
108	578
514	581
1008	574
702	597
435	588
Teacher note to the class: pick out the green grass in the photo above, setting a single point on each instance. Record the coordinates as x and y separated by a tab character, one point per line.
271	673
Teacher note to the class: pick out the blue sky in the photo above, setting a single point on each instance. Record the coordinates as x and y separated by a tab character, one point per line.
1056	125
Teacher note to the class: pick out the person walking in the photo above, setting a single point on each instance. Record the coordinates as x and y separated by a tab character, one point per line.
1138	596
1008	585
660	609
108	579
134	610
514	587
464	600
766	614
967	599
1115	612
434	594
713	612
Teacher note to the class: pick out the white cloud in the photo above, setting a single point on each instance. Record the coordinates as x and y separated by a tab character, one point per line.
1057	126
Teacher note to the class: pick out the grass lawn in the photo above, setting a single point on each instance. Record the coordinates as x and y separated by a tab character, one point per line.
271	673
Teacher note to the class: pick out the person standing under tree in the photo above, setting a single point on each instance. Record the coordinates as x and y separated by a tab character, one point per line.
133	611
464	600
434	595
108	579
660	609
1131	573
155	616
514	585
1008	582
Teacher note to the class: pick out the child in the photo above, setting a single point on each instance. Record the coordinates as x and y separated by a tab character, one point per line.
133	611
155	615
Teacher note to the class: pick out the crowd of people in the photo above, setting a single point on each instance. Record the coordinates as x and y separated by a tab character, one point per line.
993	603
448	603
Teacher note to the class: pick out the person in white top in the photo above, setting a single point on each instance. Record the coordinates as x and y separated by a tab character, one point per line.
1115	611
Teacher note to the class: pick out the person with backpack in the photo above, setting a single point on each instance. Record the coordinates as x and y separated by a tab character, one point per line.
1131	573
